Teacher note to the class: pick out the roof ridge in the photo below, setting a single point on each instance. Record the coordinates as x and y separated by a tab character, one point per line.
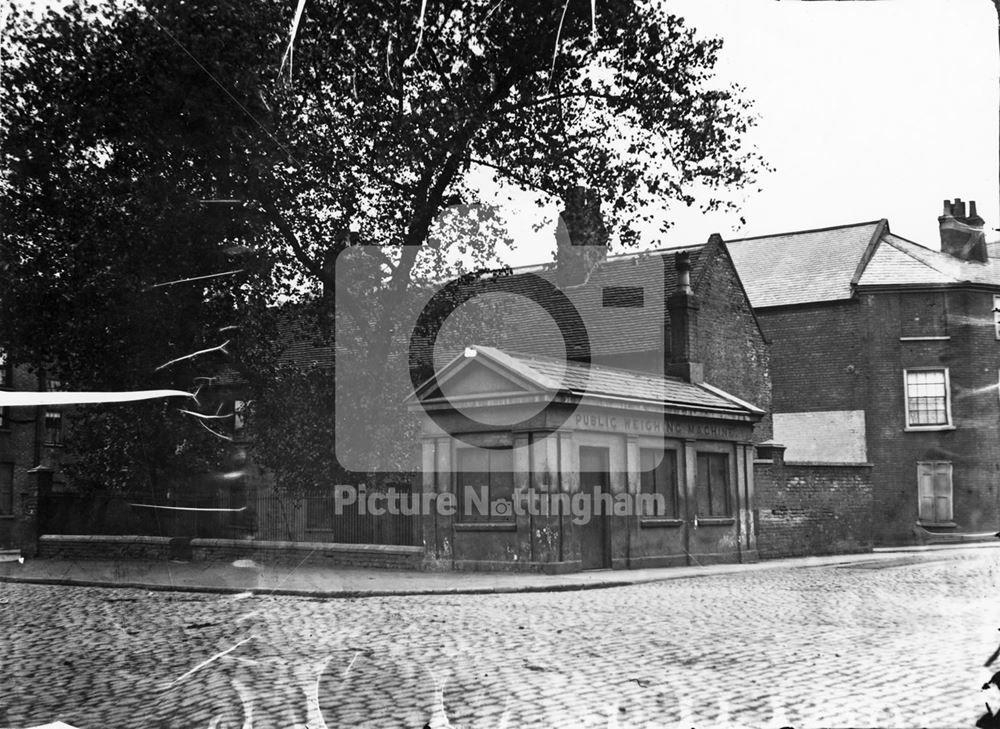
804	232
919	260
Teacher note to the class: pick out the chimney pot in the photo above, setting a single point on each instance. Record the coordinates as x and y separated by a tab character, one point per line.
581	237
963	236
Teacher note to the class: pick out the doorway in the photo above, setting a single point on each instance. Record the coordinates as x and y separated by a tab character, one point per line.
595	537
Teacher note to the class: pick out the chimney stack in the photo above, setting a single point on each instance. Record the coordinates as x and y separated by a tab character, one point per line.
682	305
962	236
581	238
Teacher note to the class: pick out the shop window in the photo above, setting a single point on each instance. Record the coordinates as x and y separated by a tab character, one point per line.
713	484
934	491
52	418
923	315
658	477
6	489
484	485
927	398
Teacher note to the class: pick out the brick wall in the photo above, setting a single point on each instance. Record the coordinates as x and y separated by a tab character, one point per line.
812	508
818	356
109	547
21	450
64	546
971	353
730	344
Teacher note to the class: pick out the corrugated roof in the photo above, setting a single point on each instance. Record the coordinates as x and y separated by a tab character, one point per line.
552	374
802	267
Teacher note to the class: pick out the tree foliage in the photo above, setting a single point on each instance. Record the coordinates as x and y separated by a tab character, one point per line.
122	119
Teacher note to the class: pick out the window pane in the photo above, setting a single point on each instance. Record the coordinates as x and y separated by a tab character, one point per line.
702	485
472	475
5	370
6	489
501	476
719	478
53	427
658	476
927	397
996	315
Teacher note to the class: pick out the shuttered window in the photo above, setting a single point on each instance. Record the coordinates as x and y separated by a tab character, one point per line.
934	491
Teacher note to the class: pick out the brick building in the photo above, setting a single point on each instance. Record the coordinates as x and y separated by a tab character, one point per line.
885	352
655	373
30	452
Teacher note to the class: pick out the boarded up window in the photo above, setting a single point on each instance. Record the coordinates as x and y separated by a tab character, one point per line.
934	491
713	484
922	315
658	477
484	485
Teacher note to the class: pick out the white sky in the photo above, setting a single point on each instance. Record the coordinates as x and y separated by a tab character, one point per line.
866	110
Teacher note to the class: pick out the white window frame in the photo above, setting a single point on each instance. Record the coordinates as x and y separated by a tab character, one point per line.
948	425
996	315
948	519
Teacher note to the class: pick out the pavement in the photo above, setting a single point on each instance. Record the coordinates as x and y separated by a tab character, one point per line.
305	579
890	639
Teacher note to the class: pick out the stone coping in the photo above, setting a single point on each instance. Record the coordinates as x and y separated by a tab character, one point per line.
311	546
105	538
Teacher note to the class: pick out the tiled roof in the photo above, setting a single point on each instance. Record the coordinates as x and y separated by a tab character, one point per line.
552	375
804	267
898	261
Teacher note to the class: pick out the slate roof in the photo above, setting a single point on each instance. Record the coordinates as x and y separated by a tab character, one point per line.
555	375
898	261
639	283
802	267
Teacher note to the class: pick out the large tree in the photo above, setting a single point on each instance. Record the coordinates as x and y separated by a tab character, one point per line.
145	143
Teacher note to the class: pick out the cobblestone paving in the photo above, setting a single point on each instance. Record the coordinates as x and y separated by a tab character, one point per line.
901	643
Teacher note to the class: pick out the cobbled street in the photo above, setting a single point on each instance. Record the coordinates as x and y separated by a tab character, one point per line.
901	642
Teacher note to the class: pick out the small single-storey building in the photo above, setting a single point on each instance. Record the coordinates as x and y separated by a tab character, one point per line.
536	463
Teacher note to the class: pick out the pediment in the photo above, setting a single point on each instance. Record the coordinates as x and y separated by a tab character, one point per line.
476	379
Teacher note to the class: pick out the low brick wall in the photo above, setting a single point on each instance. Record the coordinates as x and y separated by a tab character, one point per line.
812	508
104	546
314	553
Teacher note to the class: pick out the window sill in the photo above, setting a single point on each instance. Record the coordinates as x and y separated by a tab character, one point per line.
485	526
937	524
927	428
715	520
937	338
659	521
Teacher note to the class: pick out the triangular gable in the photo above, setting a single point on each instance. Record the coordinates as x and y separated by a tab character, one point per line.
486	372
